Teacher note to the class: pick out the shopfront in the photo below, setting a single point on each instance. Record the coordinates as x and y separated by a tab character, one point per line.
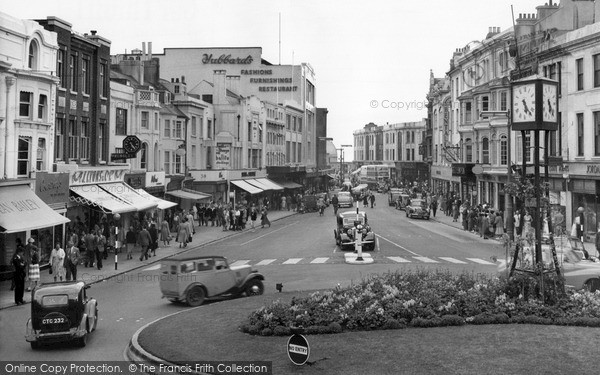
442	180
468	182
23	215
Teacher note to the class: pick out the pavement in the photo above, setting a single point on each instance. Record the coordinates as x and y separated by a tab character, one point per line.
204	236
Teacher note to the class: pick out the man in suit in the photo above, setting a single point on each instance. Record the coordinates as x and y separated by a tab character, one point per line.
20	265
145	240
72	257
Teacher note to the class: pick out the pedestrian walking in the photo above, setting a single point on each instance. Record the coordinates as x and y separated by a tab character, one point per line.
90	246
165	235
433	207
454	211
499	224
34	267
145	240
372	199
183	234
72	257
190	220
485	224
100	248
253	216
154	239
130	241
19	265
335	202
283	203
57	262
365	200
264	219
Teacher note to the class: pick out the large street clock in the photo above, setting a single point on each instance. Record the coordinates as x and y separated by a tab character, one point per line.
534	104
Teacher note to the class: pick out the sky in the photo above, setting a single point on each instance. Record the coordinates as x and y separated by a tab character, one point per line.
372	59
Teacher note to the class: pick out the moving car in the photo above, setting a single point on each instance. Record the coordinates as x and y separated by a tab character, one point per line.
579	269
61	312
418	208
393	195
345	199
402	201
345	232
192	279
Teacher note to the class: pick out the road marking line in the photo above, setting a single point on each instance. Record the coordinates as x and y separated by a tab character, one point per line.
395	244
426	260
239	263
292	261
480	261
399	260
153	268
265	262
452	260
271	232
319	260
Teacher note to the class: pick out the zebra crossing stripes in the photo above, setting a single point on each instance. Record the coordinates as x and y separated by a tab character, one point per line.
452	260
239	263
265	262
319	260
292	261
480	261
399	259
426	260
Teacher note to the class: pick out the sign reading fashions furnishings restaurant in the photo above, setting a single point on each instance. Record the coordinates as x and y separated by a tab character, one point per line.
96	176
52	187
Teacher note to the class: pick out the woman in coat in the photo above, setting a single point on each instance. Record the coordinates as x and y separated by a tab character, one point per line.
183	233
165	235
57	259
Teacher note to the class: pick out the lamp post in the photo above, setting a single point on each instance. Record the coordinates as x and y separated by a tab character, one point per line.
342	162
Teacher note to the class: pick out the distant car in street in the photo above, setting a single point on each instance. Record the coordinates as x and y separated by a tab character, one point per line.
393	195
61	312
418	208
193	279
345	199
346	230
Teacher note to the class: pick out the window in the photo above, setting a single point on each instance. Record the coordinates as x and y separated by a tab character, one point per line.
121	121
60	66
468	113
25	104
73	139
178	129
85	140
167	129
468	151
485	151
209	129
42	103
156	123
485	103
503	150
40	160
579	66
288	122
300	124
503	101
33	52
167	162
596	116
528	148
73	72
85	75
176	89
178	164
144	156
294	123
59	136
194	132
145	119
194	155
580	134
103	80
23	156
102	147
596	60
249	131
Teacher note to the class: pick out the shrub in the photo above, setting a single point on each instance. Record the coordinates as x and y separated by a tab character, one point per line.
281	331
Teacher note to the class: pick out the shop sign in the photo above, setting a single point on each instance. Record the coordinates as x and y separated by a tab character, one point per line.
155	179
135	180
52	187
96	176
225	59
462	170
222	155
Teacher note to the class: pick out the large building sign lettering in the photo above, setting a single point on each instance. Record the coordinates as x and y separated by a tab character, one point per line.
97	176
225	59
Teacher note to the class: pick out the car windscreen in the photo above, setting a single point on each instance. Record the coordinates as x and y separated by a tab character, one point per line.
55	300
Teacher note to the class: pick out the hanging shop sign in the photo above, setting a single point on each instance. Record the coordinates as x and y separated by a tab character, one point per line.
155	179
52	187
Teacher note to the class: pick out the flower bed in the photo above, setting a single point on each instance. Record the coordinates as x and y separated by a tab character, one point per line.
427	298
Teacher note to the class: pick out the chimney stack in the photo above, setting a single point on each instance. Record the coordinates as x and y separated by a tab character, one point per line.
143	51
149	50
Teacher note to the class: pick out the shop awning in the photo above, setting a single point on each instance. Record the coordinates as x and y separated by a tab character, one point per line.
162	204
94	195
191	195
129	195
289	185
247	187
258	184
21	210
269	184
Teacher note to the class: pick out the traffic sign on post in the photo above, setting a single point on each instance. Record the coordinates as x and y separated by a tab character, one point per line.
298	349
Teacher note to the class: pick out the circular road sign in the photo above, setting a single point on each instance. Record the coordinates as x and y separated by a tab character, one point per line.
298	349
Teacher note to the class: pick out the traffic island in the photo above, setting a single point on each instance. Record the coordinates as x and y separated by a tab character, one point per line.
352	258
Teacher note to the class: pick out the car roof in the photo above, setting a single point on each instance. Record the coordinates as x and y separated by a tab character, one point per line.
183	257
344	192
66	287
348	213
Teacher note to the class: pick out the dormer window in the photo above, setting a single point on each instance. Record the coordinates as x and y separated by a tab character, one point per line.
176	89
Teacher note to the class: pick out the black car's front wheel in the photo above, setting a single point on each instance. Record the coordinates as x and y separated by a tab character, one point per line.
35	345
592	285
195	296
81	341
254	287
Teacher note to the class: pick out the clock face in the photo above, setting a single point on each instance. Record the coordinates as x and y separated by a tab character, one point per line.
523	103
132	143
550	104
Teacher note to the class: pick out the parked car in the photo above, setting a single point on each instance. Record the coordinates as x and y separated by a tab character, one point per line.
345	199
418	208
61	312
193	279
345	231
580	270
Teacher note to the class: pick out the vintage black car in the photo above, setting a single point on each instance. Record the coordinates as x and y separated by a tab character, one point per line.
345	232
418	208
61	312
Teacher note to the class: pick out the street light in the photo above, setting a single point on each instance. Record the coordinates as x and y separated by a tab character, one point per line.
342	162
